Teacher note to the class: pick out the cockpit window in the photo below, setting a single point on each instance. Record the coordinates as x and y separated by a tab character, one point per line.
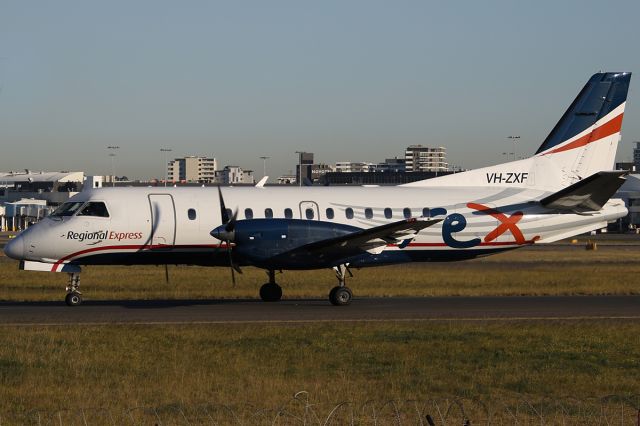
94	208
66	209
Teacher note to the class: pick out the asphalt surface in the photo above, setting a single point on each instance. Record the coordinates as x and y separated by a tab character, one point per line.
311	311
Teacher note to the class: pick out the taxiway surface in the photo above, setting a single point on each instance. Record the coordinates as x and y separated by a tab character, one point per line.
364	309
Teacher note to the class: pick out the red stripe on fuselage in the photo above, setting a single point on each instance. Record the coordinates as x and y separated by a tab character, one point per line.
132	247
216	246
607	129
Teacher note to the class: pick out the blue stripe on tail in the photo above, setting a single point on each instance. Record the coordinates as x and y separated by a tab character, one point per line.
603	93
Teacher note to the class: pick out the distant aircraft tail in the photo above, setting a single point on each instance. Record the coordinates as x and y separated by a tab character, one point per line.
586	138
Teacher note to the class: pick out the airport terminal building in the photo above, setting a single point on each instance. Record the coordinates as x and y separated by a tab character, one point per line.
28	196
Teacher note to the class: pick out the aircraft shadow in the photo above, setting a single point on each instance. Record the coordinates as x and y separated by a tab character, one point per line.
163	303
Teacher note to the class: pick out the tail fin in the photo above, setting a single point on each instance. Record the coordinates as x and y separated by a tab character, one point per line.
586	138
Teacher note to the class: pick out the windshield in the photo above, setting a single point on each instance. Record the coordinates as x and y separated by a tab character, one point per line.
67	209
94	209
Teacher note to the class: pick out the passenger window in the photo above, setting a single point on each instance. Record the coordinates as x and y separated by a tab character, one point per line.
191	213
268	213
248	214
426	212
97	209
368	213
388	213
406	212
309	213
229	213
329	213
349	213
288	214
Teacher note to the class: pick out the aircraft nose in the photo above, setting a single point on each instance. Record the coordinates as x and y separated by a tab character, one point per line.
15	248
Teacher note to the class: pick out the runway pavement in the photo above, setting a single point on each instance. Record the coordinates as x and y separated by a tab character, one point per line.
300	311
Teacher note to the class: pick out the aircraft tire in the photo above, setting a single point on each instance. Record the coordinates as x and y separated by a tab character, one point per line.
73	299
270	292
340	296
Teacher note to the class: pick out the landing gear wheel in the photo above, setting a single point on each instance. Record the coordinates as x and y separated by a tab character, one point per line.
340	296
73	299
270	292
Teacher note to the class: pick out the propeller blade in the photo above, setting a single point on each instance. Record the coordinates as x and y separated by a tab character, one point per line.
225	233
233	274
223	209
231	225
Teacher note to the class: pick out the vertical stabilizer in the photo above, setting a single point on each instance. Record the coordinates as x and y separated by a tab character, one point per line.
586	138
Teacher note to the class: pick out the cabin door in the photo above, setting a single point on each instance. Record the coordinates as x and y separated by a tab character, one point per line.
163	220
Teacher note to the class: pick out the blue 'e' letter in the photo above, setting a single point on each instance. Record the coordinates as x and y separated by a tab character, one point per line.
455	223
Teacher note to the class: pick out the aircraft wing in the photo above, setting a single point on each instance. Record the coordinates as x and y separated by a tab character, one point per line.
591	193
372	240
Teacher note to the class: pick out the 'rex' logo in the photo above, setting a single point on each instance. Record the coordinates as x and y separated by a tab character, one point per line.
507	223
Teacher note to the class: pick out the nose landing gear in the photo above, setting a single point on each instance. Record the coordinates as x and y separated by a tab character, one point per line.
74	296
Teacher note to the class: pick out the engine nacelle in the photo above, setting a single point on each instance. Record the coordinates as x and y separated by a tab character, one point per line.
259	240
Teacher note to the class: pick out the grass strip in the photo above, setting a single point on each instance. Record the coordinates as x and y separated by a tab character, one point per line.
128	366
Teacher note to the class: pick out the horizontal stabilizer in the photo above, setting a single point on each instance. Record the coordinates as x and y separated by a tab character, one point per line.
591	193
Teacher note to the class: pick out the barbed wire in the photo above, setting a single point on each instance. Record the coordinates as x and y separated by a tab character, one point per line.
301	410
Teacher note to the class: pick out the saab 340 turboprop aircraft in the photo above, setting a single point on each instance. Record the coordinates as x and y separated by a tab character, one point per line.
564	189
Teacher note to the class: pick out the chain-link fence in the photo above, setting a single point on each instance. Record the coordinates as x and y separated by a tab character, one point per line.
301	410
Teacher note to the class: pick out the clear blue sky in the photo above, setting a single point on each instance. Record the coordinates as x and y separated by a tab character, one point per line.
347	80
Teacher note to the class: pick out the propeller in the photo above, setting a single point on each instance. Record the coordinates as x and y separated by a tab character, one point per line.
226	233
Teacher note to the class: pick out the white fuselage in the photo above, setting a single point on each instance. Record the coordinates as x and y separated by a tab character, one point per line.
172	225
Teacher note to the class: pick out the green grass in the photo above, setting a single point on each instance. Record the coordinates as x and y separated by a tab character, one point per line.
187	366
555	270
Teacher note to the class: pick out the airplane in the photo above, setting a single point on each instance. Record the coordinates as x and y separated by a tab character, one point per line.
564	189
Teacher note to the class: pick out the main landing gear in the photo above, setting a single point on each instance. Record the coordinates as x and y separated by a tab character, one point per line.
74	297
271	291
341	294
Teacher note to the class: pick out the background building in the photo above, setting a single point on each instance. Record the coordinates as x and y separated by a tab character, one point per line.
26	197
420	158
53	187
354	167
304	166
392	165
319	170
192	169
286	180
382	178
231	175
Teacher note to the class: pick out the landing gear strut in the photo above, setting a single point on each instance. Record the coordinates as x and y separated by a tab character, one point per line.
271	291
74	297
341	295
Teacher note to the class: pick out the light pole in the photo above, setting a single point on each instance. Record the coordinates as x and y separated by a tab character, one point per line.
299	177
113	170
264	165
514	139
166	165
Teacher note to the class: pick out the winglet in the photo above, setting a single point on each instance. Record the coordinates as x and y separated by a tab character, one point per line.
591	193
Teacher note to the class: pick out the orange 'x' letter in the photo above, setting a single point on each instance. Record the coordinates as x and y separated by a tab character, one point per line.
506	223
